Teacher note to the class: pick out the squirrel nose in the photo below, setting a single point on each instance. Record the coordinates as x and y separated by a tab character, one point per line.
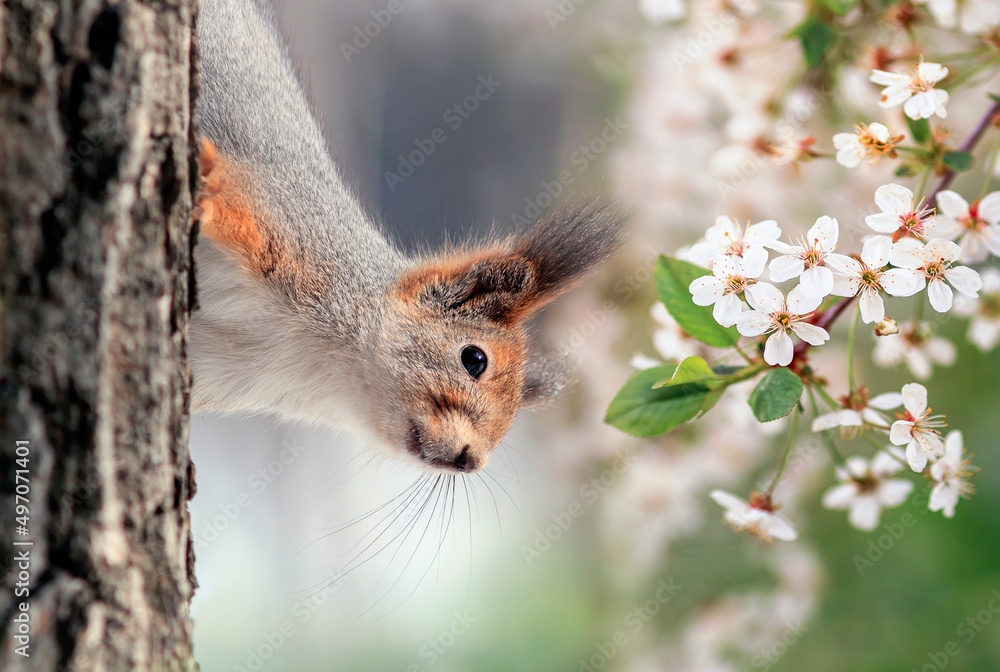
465	461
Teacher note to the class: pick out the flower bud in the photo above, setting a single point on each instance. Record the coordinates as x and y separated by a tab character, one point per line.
886	327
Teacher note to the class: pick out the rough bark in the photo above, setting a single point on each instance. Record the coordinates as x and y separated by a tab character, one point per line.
96	285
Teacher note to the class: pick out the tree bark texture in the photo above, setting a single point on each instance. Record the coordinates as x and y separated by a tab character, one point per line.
97	172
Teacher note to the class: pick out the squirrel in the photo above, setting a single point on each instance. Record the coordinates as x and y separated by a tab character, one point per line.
309	312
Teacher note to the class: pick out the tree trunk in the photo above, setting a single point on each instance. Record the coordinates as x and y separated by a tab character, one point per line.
97	174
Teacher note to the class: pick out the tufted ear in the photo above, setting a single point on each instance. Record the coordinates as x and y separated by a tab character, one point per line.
509	282
565	246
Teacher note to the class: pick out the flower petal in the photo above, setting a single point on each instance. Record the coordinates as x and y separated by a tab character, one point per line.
786	267
840	496
886	401
894	492
932	72
914	400
940	295
865	513
802	301
706	290
824	233
883	222
915	456
902	281
876	250
754	260
965	280
765	297
727	500
817	280
753	323
778	349
951	204
901	432
989	207
727	309
810	333
872	306
780	527
907	253
894	198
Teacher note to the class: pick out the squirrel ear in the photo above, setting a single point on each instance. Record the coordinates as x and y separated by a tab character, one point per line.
565	246
508	283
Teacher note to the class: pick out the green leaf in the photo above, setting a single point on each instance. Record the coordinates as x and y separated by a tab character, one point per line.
994	97
920	129
691	370
640	410
673	277
775	395
817	37
957	161
905	170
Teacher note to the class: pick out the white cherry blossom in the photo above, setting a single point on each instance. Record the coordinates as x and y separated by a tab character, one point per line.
730	277
917	347
805	260
915	90
758	516
932	264
951	475
865	143
899	216
865	278
975	226
866	489
859	410
773	314
918	431
984	327
728	238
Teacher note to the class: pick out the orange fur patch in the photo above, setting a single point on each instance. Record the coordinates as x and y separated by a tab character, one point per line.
228	213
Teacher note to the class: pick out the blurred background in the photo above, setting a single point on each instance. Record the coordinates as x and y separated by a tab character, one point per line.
581	548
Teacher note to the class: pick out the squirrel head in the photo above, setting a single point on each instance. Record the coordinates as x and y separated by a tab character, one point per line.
456	331
444	362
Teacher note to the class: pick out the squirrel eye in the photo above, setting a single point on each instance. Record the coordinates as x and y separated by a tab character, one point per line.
474	360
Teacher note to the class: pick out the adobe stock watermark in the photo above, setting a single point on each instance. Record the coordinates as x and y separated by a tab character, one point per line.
633	621
368	31
967	631
562	521
436	647
580	158
299	614
454	116
258	482
765	658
